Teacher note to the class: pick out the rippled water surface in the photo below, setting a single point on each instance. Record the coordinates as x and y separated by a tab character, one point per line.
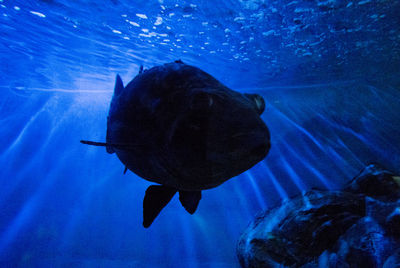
328	70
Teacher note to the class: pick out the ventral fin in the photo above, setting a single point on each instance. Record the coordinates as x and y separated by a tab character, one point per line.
190	200
119	86
155	199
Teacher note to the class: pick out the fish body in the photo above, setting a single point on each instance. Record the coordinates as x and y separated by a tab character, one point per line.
178	126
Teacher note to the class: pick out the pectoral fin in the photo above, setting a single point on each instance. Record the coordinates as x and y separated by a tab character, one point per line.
119	146
190	200
155	199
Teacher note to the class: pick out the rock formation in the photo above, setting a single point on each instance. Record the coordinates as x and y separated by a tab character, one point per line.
356	227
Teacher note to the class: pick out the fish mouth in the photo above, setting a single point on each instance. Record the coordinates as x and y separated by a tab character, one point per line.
249	134
257	150
238	135
261	149
251	145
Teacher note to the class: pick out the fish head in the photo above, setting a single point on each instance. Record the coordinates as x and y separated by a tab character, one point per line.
220	134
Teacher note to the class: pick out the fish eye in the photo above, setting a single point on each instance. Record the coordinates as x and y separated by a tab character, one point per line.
258	102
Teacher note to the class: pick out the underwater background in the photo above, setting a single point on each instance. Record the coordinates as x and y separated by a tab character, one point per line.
329	72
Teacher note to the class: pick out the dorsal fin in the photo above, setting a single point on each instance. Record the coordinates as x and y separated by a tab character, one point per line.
119	86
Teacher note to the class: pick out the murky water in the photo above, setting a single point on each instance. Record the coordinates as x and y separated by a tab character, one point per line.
328	71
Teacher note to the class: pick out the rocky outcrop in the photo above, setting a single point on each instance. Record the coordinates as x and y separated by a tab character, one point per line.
356	227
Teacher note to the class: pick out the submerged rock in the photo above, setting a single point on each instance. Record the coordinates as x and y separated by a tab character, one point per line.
356	227
376	182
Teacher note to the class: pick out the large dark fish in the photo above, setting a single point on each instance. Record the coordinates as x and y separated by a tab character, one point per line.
178	126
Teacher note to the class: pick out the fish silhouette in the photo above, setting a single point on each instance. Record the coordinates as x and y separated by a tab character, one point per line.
176	125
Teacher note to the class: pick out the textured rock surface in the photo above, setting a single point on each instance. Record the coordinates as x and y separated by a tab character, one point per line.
356	227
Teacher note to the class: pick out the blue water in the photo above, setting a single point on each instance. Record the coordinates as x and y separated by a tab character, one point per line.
329	72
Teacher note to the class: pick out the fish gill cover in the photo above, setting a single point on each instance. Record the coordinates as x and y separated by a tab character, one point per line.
328	71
